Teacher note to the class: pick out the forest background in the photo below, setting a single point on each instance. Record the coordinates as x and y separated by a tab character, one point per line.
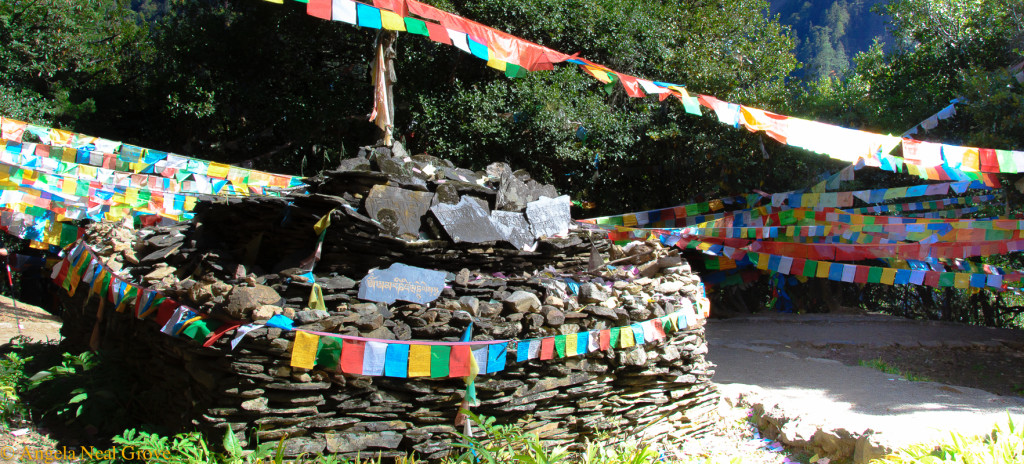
264	85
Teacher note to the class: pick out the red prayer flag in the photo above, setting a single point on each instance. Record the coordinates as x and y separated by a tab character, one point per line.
459	365
606	339
547	348
861	277
931	278
165	311
398	6
319	8
631	85
797	268
989	160
352	356
438	33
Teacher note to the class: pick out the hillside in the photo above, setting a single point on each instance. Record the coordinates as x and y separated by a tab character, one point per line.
830	32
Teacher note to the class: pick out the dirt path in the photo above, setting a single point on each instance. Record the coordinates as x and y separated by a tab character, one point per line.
801	373
18	318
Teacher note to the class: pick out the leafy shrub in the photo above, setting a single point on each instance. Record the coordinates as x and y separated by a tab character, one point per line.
12	381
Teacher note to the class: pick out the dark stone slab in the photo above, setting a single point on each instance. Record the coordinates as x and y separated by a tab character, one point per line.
513	194
446	193
514	228
402	282
399	211
466	222
549	216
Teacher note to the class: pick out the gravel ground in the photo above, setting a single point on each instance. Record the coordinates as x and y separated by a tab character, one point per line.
736	440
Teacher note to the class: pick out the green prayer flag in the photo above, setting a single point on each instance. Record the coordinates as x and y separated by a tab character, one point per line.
691	105
875	275
514	70
440	359
416	26
197	330
946	279
610	87
810	268
328	352
35	211
613	337
560	345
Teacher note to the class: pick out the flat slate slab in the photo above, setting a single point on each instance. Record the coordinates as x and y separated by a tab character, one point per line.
549	216
467	221
398	210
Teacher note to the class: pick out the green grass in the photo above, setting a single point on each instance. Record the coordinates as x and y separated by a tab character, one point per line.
883	366
1003	445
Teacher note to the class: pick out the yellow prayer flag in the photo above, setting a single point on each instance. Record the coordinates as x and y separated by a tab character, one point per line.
316	298
626	337
304	350
822	272
497	64
190	203
391	21
971	159
218	170
419	360
570	345
59	137
68	186
279	2
323	223
961	280
598	74
762	261
888	276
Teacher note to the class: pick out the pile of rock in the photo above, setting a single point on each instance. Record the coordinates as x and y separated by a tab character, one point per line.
516	268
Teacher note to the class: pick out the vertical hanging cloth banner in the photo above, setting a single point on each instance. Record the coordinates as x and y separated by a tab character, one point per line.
381	114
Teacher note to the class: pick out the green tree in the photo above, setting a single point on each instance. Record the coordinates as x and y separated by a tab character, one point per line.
59	56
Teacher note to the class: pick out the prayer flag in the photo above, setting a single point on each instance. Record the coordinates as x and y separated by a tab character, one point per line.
391	21
626	337
344	11
438	33
459	361
304	350
352	356
535	348
595	341
497	353
560	345
480	353
547	348
396	360
416	26
374	358
582	342
319	8
328	353
368	16
440	360
523	351
419	360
